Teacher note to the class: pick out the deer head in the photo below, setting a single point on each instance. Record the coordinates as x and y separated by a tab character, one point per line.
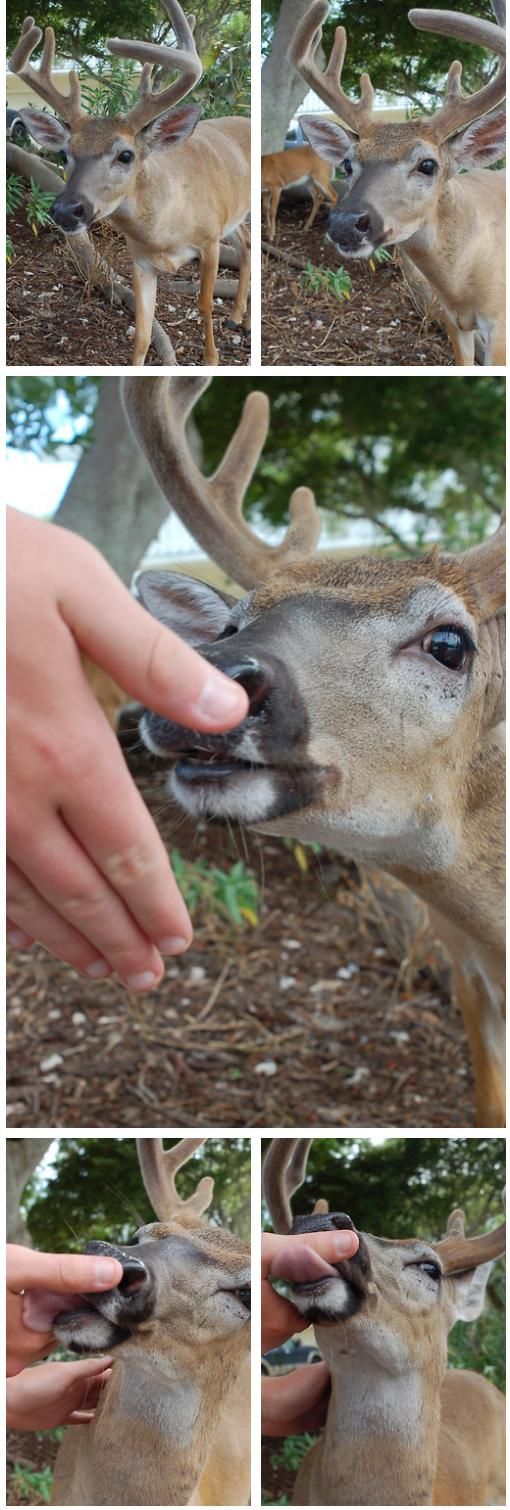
105	155
396	172
395	1301
185	1283
371	682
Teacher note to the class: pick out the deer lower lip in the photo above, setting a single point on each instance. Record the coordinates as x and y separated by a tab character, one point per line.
192	768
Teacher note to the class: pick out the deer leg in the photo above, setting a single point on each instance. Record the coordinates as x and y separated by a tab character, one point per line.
316	200
243	287
208	273
273	206
483	1021
463	342
145	283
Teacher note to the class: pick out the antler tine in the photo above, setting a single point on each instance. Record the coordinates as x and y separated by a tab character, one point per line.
327	84
460	110
159	1169
458	1252
211	508
67	105
184	57
283	1173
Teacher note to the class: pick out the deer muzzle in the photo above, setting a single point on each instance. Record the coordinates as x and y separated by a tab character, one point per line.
328	1298
72	212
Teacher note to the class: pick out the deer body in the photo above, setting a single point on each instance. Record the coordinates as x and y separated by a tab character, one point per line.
298	165
401	1428
392	751
403	186
174	195
172	1426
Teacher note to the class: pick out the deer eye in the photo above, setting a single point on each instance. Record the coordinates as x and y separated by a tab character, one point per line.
429	1267
448	645
347	166
125	157
428	167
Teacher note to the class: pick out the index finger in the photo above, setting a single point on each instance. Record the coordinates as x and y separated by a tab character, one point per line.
318	1251
27	1269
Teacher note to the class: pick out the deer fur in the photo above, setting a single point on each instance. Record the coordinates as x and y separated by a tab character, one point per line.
298	165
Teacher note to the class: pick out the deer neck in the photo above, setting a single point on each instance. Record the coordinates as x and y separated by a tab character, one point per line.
381	1438
441	249
154	1428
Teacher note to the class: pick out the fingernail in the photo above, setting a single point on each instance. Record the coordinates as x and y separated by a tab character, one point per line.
18	939
143	981
345	1241
173	945
98	969
105	1272
218	699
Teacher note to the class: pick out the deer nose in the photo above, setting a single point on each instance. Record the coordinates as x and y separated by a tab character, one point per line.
363	223
254	677
71	214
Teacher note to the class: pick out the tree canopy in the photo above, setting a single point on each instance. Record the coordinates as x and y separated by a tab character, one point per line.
93	1188
369	446
401	61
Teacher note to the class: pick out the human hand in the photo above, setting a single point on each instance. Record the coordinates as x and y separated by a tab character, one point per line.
38	1286
296	1259
56	1394
296	1402
88	874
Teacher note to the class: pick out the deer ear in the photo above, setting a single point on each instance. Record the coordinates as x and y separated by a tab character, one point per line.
173	127
45	129
484	566
329	140
483	143
195	611
469	1293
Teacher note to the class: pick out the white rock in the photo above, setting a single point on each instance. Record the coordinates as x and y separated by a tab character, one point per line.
286	982
54	1013
78	1017
196	974
293	944
52	1062
266	1067
346	972
358	1075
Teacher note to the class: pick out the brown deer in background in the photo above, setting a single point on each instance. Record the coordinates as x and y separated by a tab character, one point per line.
297	165
401	1428
404	181
174	188
172	1426
376	692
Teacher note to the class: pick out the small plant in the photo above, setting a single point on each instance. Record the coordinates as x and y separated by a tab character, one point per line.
116	89
38	207
380	255
14	193
292	1452
326	280
29	1479
234	893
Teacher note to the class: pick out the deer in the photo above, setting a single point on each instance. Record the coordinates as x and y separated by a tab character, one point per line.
401	1428
172	1426
376	700
298	165
174	186
406	184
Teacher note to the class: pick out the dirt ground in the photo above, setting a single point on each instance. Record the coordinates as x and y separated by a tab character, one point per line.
380	323
53	318
326	1013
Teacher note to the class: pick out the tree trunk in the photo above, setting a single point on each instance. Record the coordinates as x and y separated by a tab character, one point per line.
113	499
283	89
23	1156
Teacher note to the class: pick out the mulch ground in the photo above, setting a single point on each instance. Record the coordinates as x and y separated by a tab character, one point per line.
379	324
325	1014
28	1452
53	318
277	1480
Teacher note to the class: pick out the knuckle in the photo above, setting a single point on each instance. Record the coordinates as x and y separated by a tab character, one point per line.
126	867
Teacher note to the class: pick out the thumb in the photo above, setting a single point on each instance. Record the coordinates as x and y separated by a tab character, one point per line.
59	1271
149	661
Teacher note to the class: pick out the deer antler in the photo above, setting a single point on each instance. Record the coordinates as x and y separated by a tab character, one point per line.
460	110
159	1169
327	84
184	57
283	1173
66	105
458	1252
211	508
